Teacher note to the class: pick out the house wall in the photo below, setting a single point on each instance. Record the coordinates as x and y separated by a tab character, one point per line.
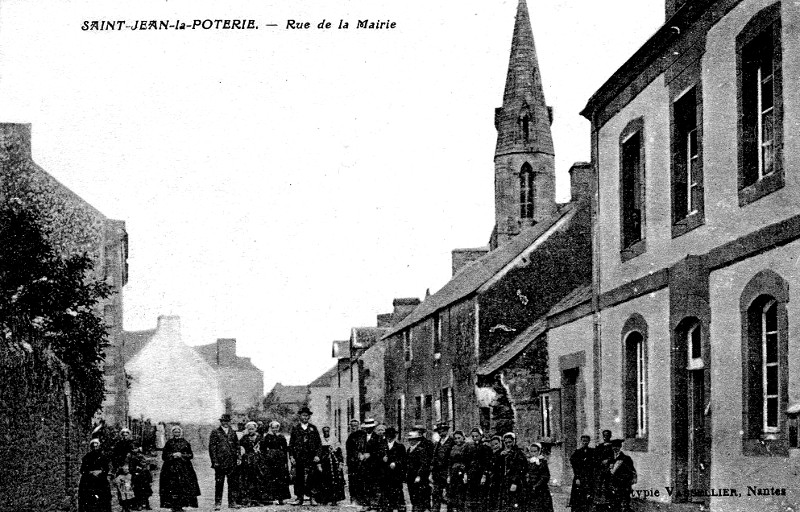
725	220
572	340
730	467
374	382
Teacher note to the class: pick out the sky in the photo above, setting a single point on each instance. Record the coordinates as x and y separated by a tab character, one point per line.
280	186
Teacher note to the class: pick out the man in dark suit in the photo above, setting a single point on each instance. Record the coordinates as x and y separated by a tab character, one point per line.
354	445
617	476
583	468
223	447
372	463
304	444
418	472
394	463
441	464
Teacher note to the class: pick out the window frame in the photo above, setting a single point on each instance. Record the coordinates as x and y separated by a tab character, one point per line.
633	247
753	183
689	216
764	290
408	349
635	384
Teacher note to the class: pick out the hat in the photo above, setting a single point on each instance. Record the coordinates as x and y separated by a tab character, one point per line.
414	435
616	443
305	410
225	417
442	426
369	423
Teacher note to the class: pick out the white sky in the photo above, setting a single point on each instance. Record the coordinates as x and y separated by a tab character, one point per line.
281	186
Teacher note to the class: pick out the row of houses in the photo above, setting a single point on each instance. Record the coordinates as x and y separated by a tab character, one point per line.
656	303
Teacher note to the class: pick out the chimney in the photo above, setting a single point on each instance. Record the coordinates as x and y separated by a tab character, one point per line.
581	180
226	351
169	325
463	257
385	320
403	307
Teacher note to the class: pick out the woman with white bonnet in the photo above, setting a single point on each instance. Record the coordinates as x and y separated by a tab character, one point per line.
178	482
514	466
538	479
251	484
94	493
275	457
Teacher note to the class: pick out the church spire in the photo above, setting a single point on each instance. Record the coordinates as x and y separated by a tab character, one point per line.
523	122
524	159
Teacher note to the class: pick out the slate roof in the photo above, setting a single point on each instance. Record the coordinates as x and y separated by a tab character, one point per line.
365	337
324	380
480	271
513	349
289	394
209	353
134	341
577	297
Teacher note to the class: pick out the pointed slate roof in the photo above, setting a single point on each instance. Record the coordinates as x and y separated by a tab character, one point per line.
484	269
523	93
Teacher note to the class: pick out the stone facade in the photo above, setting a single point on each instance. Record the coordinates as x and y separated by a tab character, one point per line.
699	310
74	227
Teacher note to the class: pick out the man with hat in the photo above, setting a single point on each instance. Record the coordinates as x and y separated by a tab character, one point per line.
418	471
372	452
304	444
441	463
356	441
223	447
617	476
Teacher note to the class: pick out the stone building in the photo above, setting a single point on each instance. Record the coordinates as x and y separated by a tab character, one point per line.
473	352
241	382
74	226
682	345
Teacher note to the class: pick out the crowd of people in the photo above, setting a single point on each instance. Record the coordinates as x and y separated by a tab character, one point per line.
473	473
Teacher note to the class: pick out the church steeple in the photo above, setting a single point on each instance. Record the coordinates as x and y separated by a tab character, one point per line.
524	156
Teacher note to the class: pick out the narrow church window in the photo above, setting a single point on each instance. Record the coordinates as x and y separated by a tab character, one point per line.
437	334
526	127
760	104
687	167
632	184
526	192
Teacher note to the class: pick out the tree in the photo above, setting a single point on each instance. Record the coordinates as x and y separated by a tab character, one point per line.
49	306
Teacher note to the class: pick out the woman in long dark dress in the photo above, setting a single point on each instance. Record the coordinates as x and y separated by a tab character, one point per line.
275	458
514	468
478	470
331	479
457	473
251	480
537	482
178	482
94	493
495	473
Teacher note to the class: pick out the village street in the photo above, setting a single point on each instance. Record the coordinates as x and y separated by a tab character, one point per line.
205	477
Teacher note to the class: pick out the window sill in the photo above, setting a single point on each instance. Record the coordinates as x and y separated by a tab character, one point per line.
635	444
633	250
688	223
763	187
764	447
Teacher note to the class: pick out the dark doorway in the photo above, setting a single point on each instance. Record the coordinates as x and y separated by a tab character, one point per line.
569	409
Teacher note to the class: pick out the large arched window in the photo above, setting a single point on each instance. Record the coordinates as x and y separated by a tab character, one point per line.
765	374
635	382
526	192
